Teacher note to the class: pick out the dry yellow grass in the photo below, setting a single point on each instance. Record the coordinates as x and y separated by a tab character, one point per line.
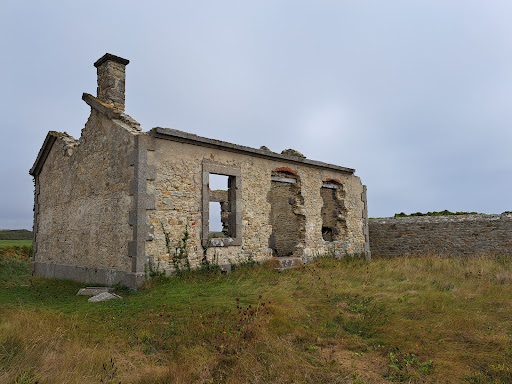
406	319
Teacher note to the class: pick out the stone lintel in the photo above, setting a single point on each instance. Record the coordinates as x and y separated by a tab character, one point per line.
221	169
283	179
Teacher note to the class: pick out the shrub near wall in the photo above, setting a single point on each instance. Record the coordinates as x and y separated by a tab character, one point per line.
455	235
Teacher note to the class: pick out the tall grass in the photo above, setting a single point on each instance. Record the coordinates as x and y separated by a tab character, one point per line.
14	263
406	319
15	244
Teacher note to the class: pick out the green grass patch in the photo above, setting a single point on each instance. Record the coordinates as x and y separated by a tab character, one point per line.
15	243
13	270
417	320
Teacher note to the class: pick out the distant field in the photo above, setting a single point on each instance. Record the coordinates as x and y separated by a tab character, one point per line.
15	243
15	234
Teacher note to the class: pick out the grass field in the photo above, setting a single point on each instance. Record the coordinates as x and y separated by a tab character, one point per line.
15	234
411	320
15	243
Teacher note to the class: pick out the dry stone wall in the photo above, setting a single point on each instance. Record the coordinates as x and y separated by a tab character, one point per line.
447	235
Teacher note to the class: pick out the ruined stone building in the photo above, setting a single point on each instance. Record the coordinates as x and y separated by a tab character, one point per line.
106	203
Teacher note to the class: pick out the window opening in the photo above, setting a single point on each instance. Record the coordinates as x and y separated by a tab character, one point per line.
219	206
218	182
215	222
221	216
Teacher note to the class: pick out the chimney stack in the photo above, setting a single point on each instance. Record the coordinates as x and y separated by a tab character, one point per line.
111	79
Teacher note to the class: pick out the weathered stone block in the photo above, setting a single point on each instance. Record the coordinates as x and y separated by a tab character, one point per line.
93	291
103	296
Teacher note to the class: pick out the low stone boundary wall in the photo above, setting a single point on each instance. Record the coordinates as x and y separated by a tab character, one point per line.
455	235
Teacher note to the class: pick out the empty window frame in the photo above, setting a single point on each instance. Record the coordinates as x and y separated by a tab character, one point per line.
230	204
219	206
217	227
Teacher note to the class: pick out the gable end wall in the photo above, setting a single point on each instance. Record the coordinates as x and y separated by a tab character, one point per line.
82	205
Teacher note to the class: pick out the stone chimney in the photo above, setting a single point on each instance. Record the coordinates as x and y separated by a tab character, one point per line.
111	78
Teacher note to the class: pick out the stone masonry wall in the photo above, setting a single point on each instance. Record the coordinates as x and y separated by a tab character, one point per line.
84	199
177	188
286	217
447	235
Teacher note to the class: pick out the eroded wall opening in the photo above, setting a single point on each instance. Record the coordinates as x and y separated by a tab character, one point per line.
334	224
286	213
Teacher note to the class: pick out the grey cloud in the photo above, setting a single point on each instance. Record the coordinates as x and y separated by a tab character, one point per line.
414	95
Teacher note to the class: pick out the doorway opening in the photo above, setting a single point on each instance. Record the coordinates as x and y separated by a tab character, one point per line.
334	224
286	213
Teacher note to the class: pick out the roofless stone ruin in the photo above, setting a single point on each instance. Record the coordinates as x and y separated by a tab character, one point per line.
107	203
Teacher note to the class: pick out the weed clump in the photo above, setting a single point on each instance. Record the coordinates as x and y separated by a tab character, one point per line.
206	265
366	316
405	366
180	254
230	331
226	331
15	264
16	251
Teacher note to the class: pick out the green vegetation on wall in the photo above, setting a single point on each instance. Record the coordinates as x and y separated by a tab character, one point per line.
4	244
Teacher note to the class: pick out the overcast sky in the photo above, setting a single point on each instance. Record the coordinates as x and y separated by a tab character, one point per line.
415	95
